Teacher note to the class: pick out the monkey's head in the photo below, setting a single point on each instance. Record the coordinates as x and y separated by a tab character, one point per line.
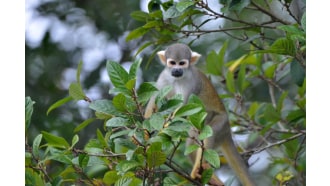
177	58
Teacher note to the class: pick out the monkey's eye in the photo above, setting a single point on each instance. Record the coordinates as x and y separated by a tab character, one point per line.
172	62
182	63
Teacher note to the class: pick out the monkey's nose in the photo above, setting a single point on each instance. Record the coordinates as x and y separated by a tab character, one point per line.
177	72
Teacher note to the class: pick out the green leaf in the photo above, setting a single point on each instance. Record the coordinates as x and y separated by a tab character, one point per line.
207	175
120	133
241	79
55	141
140	16
134	69
298	73
145	92
295	115
281	101
59	103
83	125
238	5
270	71
163	93
189	109
205	133
198	119
212	61
212	157
35	146
118	75
130	85
63	158
83	160
117	122
79	71
155	159
283	46
76	92
104	106
119	102
28	111
101	138
253	109
75	140
110	177
271	114
169	181
134	34
172	12
292	29
230	82
152	24
125	166
157	121
184	4
190	149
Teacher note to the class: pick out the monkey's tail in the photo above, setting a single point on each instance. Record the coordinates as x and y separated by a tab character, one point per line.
236	162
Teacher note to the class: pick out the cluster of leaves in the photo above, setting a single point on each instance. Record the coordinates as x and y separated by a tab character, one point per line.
132	150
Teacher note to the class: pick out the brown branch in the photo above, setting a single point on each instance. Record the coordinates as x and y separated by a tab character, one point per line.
183	174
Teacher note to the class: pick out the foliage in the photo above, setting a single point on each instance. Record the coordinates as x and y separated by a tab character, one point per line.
263	84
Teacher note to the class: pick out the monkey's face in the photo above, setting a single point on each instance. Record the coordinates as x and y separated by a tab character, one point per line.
177	67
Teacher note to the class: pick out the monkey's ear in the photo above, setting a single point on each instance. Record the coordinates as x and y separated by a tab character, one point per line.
161	55
194	57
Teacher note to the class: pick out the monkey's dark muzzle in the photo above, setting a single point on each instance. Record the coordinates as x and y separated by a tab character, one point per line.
177	72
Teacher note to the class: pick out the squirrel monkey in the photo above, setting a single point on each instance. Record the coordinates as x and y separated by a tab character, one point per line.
186	79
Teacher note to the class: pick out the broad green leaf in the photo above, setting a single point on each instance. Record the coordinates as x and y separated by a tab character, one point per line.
125	166
298	73
145	92
271	114
117	122
130	85
134	69
238	5
75	140
253	109
83	125
170	181
230	82
284	46
190	149
184	4
134	34
120	133
172	12
157	121
295	115
140	16
35	146
118	75
79	71
59	103
76	92
155	159
163	93
206	132
104	106
32	177
212	157
110	177
292	29
119	102
55	141
198	119
207	175
212	61
152	24
154	147
63	158
83	160
94	146
28	111
188	109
